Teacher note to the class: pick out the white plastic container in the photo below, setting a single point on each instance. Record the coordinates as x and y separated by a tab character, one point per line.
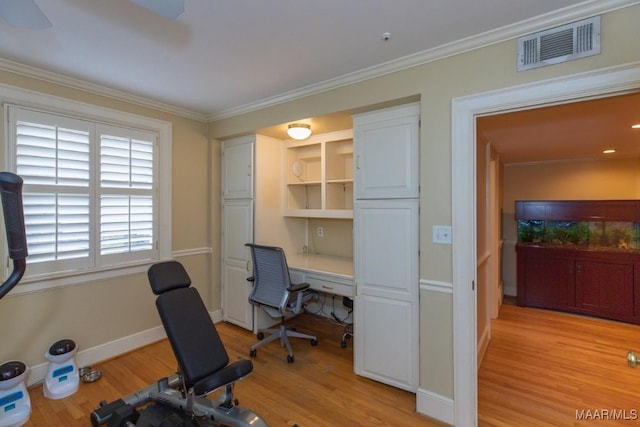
62	378
15	404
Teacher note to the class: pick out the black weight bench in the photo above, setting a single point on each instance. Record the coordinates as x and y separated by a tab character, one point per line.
203	365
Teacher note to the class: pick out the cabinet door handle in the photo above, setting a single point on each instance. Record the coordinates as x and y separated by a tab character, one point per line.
358	162
248	265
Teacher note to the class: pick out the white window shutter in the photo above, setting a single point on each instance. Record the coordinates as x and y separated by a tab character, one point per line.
126	182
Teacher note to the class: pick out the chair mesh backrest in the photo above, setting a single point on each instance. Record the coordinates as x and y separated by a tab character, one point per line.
194	339
271	276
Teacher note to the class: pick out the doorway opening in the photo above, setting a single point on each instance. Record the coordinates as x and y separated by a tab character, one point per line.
465	110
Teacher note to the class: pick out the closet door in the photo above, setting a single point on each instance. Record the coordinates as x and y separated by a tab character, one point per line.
237	226
386	303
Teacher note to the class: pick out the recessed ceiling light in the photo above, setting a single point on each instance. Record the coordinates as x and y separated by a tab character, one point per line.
609	151
637	126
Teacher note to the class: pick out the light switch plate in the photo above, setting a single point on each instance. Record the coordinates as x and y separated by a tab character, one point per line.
442	234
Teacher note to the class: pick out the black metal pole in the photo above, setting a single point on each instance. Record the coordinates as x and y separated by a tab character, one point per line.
11	194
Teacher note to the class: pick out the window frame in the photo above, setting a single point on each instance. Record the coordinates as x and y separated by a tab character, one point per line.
11	96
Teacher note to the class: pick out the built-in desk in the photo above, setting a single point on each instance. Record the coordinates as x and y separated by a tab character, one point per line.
325	273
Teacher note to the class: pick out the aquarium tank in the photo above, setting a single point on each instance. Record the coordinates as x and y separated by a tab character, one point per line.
586	234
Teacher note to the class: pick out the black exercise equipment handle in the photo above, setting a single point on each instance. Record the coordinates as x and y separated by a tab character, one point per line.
11	194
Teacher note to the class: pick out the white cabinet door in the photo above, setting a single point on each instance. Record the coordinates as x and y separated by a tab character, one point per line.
386	153
387	284
237	229
237	168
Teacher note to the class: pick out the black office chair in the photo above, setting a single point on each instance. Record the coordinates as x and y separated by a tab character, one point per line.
277	296
203	365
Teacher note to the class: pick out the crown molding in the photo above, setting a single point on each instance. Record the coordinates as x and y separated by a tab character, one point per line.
561	16
75	83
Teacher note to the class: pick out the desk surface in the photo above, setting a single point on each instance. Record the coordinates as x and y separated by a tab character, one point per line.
341	266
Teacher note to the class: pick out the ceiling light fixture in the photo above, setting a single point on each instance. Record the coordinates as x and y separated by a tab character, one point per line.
636	126
609	151
299	131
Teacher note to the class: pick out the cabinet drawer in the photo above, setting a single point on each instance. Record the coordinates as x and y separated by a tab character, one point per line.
330	285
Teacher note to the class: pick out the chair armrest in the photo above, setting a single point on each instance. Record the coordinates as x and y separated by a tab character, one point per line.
296	296
224	376
297	287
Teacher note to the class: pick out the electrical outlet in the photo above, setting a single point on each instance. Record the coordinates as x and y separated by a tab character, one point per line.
320	231
442	234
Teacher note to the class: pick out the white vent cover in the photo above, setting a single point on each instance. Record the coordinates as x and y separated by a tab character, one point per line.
559	44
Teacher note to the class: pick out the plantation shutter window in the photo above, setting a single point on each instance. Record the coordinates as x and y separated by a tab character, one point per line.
88	191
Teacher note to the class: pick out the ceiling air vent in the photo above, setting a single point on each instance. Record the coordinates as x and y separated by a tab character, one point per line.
559	44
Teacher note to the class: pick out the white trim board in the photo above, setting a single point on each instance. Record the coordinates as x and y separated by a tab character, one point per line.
434	405
436	286
593	84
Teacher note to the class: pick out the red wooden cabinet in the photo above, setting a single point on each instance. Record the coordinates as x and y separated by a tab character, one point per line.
597	283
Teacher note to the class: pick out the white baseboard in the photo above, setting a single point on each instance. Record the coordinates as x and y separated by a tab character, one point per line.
435	406
111	349
216	316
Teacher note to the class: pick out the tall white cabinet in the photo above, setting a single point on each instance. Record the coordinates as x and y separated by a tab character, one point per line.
250	213
386	244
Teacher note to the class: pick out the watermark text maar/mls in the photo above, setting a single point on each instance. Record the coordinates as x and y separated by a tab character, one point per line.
606	414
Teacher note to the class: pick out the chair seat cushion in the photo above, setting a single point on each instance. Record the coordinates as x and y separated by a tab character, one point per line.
227	375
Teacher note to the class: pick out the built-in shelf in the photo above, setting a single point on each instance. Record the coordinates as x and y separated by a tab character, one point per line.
319	176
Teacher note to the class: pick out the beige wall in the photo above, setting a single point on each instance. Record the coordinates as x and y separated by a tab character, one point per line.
571	180
436	84
93	314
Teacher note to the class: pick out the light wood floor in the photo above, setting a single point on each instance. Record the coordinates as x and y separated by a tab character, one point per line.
543	366
319	389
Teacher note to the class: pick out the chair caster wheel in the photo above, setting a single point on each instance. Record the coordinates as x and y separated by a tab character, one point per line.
343	344
260	335
290	359
252	353
314	343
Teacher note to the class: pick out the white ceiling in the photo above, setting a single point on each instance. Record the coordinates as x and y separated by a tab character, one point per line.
220	55
577	130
